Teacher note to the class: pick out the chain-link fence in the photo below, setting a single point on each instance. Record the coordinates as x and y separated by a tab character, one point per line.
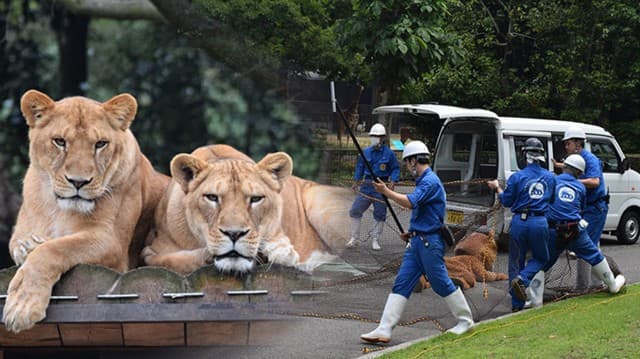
339	166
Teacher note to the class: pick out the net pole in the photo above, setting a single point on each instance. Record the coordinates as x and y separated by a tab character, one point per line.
336	108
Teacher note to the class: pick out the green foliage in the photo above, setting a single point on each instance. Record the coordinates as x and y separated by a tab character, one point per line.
27	60
395	42
187	100
559	59
295	35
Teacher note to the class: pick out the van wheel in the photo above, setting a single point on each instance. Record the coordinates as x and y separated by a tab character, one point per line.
629	228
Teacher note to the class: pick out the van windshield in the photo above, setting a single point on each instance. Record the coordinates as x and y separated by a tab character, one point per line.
465	158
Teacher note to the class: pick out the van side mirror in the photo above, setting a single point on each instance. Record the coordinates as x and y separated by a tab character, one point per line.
625	165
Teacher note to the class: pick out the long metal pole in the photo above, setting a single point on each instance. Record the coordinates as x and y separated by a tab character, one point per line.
334	104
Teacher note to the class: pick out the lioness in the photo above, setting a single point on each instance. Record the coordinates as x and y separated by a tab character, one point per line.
87	192
223	208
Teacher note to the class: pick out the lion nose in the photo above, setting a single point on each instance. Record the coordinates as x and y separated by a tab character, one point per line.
234	235
78	183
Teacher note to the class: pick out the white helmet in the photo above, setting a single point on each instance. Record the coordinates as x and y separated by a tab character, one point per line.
574	132
377	130
414	148
576	161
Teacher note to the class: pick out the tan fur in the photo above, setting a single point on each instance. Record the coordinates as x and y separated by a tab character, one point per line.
473	261
61	224
287	223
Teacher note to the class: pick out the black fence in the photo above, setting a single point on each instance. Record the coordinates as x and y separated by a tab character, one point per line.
339	166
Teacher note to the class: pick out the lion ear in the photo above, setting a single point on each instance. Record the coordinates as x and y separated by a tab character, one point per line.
278	164
122	109
33	105
184	168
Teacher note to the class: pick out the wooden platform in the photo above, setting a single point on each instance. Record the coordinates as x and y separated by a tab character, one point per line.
163	308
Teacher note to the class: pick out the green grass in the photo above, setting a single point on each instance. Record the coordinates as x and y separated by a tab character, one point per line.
599	325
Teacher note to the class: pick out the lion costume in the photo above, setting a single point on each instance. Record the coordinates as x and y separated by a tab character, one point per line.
88	197
472	261
223	208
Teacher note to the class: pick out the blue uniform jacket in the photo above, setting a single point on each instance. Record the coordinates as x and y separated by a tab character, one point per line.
383	162
428	202
569	199
593	169
529	189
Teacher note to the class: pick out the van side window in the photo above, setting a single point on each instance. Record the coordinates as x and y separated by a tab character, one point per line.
559	153
467	151
461	147
519	161
488	157
606	152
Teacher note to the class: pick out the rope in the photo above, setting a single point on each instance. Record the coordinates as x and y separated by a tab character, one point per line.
387	268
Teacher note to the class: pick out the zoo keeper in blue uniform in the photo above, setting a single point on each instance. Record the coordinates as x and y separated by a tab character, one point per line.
385	166
425	248
595	212
528	192
567	228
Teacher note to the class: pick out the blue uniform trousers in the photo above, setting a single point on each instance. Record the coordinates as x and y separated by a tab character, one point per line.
422	259
582	246
596	215
361	203
530	234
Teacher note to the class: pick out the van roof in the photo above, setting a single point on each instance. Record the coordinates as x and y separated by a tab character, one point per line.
506	122
442	111
537	124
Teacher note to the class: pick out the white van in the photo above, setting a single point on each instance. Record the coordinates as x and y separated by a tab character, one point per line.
476	145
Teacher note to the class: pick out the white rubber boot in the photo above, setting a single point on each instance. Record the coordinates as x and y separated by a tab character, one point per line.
604	273
355	232
460	309
535	291
376	234
390	317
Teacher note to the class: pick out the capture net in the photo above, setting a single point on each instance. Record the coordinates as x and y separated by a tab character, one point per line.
362	277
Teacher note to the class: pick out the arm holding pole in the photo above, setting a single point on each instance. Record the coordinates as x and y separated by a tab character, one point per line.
399	198
364	159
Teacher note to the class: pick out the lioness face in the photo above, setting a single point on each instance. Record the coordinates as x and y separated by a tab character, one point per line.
232	206
77	143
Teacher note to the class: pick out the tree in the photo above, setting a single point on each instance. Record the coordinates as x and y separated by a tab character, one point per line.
559	59
397	41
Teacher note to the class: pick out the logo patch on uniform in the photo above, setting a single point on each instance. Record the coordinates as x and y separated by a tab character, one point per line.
536	190
566	194
383	166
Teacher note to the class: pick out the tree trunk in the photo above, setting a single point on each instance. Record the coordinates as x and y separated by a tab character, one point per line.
72	31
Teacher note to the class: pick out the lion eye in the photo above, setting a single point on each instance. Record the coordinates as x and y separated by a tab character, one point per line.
60	142
211	197
101	144
256	199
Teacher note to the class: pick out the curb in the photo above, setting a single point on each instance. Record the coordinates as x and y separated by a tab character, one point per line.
404	345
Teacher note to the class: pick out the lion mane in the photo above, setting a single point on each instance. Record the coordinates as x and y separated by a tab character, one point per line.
223	208
89	196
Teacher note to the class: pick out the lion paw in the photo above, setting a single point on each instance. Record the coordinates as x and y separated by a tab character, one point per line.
24	246
283	254
26	303
147	255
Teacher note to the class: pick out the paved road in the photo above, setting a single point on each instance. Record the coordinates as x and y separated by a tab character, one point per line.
346	309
